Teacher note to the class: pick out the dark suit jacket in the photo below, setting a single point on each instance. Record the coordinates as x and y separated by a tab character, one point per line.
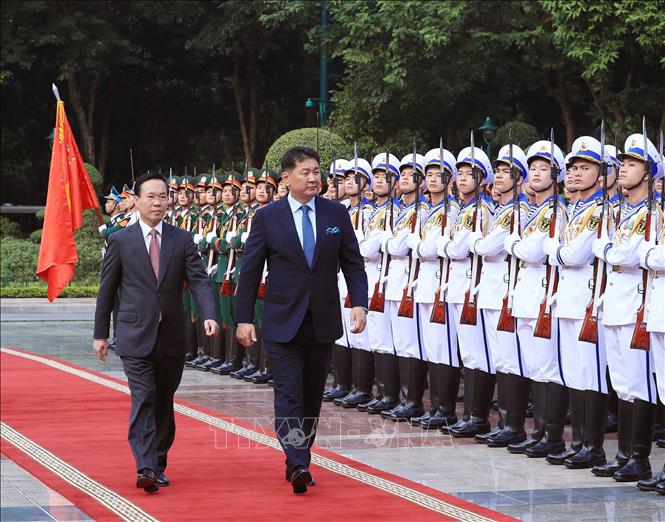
127	268
292	285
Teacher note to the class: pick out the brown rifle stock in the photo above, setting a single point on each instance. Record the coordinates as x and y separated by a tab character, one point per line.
641	339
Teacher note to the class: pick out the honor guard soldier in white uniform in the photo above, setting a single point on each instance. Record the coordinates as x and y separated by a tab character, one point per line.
475	215
583	359
630	368
439	340
385	171
341	353
541	354
358	178
652	257
408	346
505	350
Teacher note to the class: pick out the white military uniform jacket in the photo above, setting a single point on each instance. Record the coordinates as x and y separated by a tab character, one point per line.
530	285
429	272
457	250
378	222
653	257
494	274
575	258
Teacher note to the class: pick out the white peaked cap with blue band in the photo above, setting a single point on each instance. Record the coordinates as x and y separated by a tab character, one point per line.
614	153
433	158
588	148
482	162
542	150
634	148
364	169
519	159
338	168
568	159
379	163
407	161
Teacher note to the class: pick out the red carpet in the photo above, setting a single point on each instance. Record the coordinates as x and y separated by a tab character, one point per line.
215	474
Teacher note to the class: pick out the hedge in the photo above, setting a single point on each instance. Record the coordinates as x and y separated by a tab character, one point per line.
329	144
14	291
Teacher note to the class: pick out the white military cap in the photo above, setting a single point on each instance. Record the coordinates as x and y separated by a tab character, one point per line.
364	169
482	162
407	161
634	148
379	163
519	158
338	168
568	159
614	165
542	150
588	148
433	157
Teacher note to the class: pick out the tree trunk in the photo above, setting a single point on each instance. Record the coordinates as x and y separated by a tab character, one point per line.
252	72
240	110
105	126
566	107
84	120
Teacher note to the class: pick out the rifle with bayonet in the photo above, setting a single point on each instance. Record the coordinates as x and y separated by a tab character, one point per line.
469	313
406	305
543	326
378	301
641	338
263	285
506	321
589	330
439	309
213	228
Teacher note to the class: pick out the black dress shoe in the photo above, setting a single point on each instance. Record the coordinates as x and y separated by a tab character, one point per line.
417	421
505	438
438	421
560	458
481	438
335	392
353	401
190	357
365	405
197	360
406	411
300	477
384	404
201	364
249	377
471	428
585	459
636	469
271	382
147	479
650	484
660	488
162	480
287	476
610	468
387	413
263	378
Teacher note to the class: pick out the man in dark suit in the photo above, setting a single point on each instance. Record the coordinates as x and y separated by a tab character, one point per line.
304	239
149	262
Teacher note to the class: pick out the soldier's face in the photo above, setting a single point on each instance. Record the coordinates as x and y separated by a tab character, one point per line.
262	193
183	199
110	206
245	196
569	182
433	180
282	189
350	185
200	195
381	186
631	172
585	174
540	177
210	196
502	179
466	182
406	184
228	195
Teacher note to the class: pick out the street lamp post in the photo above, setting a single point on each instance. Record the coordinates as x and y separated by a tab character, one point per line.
489	130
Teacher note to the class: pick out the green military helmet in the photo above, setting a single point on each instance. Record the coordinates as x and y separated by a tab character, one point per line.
203	180
187	182
269	176
252	175
233	178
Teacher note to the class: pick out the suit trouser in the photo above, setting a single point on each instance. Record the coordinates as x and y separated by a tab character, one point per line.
152	380
300	368
658	351
583	364
631	370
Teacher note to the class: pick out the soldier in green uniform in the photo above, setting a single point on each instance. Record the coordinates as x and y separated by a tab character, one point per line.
266	187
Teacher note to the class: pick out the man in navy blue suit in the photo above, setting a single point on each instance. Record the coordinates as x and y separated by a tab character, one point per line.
304	239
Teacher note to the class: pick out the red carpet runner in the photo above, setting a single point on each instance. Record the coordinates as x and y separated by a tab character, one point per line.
68	426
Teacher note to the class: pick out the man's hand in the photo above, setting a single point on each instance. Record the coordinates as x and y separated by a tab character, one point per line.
101	348
358	319
211	327
246	334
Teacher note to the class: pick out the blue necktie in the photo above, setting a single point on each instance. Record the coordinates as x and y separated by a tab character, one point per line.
307	235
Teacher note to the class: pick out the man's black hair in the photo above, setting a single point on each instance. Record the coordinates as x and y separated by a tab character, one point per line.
296	154
146	177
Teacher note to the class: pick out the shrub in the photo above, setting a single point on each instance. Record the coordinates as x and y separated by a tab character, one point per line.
35	290
96	177
9	228
329	144
36	236
18	261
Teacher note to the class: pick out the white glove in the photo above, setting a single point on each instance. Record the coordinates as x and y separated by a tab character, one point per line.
551	246
510	241
101	228
473	239
197	238
441	244
598	247
211	236
212	270
230	235
243	237
412	241
384	237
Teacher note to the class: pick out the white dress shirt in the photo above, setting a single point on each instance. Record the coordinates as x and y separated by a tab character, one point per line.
297	215
145	230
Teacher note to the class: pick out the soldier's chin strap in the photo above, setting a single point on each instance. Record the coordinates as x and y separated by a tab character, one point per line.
638	183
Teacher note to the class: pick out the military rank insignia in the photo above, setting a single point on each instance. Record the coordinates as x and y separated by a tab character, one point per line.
593	222
641	227
505	220
544	224
468	221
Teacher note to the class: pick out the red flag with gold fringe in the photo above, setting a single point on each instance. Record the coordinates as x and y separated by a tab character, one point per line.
70	192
